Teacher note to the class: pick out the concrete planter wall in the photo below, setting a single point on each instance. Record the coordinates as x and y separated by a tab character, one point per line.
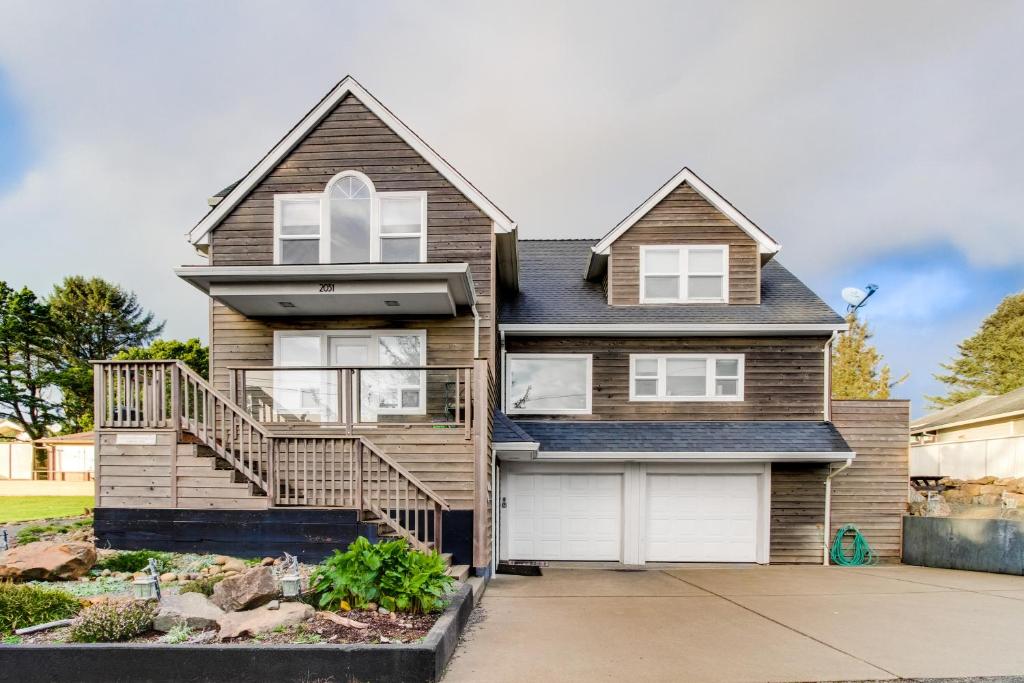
983	545
157	663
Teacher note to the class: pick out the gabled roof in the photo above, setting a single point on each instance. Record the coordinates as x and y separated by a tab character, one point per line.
766	244
346	86
977	409
552	292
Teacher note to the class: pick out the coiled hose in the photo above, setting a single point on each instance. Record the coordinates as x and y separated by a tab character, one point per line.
859	555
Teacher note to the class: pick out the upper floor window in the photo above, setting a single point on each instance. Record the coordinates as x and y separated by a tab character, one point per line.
350	222
686	377
684	274
547	383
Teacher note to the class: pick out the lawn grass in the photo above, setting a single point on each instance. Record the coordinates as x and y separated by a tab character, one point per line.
25	508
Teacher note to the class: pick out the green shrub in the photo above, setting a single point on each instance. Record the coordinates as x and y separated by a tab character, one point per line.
27	605
391	574
202	585
136	561
111	622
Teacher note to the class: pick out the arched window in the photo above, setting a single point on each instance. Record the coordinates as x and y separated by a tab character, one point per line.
350	222
349	214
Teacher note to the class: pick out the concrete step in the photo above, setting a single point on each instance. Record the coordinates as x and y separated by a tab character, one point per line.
459	572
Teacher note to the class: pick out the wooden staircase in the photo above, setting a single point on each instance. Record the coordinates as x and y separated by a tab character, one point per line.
233	454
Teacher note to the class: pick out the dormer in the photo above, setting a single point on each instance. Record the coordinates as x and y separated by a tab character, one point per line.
686	244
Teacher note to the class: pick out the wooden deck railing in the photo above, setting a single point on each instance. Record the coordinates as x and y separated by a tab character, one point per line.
344	396
324	470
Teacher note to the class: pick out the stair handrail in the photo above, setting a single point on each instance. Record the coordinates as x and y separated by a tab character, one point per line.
235	408
426	490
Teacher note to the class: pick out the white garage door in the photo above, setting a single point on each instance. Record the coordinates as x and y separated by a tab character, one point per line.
701	518
564	516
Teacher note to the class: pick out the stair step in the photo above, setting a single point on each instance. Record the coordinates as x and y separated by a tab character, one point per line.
459	572
447	557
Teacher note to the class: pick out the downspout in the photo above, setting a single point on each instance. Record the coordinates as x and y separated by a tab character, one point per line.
828	509
476	332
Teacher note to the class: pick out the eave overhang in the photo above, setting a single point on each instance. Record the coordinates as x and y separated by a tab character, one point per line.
530	453
340	289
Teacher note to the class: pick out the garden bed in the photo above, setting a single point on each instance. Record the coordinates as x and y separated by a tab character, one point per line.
245	661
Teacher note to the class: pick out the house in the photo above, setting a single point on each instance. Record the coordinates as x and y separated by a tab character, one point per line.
980	437
15	452
70	457
389	359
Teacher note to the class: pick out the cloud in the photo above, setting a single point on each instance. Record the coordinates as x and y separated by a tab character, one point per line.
849	131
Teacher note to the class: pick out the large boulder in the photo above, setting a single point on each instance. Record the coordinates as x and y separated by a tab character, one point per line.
192	609
263	619
47	561
252	588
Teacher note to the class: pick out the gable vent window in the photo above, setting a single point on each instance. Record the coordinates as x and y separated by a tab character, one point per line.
684	274
686	377
350	222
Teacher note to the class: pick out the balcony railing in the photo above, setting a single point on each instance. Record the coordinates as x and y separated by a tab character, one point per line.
354	396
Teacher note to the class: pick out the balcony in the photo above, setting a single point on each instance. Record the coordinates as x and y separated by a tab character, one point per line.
336	289
349	397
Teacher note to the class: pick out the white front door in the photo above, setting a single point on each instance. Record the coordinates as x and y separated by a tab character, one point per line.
702	518
564	516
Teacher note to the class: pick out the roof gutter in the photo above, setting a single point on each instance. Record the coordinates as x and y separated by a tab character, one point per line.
914	431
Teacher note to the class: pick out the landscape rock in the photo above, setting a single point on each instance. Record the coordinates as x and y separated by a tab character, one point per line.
168	576
267	561
221	559
262	620
983	480
274	604
233	566
250	589
936	506
971	489
192	609
47	561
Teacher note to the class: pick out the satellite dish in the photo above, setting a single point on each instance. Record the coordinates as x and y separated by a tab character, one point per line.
854	295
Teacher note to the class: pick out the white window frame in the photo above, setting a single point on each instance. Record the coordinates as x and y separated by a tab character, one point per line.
682	252
374	335
709	377
506	382
279	201
324	236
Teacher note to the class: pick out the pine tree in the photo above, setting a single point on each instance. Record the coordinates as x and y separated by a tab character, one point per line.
191	352
95	319
991	361
28	364
857	370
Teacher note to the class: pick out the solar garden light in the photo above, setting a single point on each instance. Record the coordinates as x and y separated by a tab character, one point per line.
291	582
147	587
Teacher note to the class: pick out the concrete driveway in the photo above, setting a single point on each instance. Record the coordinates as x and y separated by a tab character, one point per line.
745	623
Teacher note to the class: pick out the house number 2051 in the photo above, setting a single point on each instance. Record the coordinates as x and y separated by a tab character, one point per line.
327	287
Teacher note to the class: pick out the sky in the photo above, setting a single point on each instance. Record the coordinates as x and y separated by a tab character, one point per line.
877	142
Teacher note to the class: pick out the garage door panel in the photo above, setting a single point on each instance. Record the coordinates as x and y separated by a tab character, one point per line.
565	517
701	518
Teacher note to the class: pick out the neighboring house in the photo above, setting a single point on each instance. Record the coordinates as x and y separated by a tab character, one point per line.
15	452
70	457
387	358
980	437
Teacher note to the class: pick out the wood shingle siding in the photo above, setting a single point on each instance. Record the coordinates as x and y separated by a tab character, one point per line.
684	217
871	493
784	376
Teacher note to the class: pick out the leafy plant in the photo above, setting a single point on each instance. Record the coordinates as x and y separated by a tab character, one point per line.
11	640
136	561
27	605
101	586
304	638
391	574
202	585
111	622
179	633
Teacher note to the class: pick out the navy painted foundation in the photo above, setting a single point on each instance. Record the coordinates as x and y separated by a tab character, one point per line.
309	533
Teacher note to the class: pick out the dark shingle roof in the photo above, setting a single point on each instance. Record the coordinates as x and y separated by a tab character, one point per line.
553	291
687	437
505	430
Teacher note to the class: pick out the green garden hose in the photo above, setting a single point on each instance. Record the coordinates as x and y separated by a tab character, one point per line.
861	554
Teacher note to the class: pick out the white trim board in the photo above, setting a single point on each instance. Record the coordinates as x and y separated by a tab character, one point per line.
766	244
348	85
